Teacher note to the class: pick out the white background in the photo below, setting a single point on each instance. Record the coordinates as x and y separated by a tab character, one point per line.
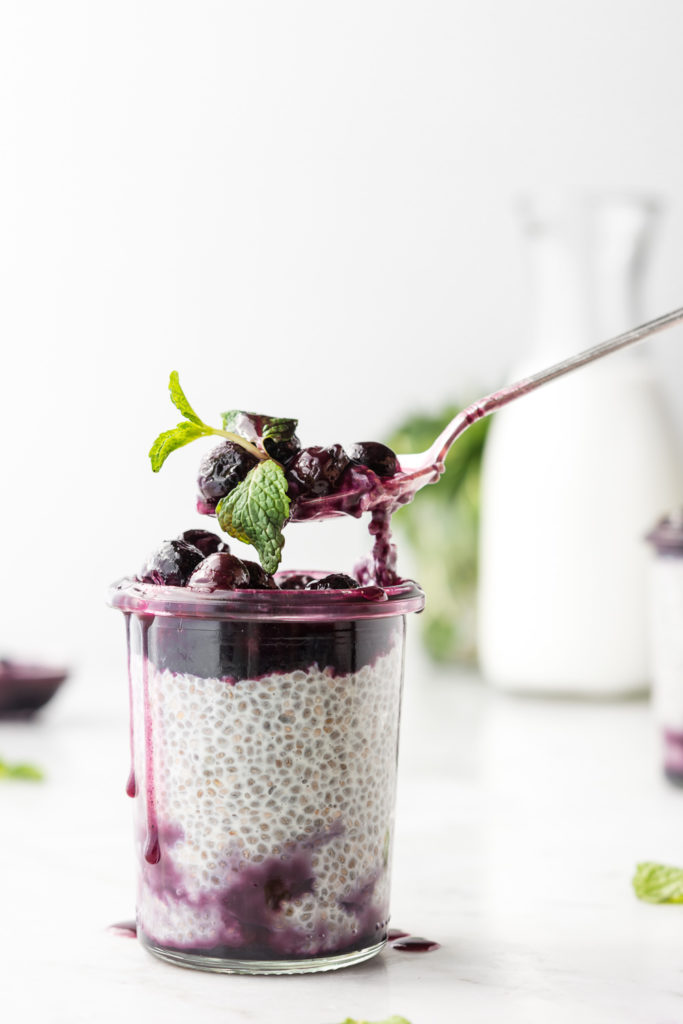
305	208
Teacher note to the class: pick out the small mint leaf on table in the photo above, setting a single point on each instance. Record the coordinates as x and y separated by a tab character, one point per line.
658	883
172	439
389	1020
256	427
24	772
256	510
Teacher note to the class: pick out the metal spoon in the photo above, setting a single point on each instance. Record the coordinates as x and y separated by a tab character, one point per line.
363	491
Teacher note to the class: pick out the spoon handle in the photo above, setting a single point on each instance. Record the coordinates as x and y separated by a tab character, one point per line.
485	406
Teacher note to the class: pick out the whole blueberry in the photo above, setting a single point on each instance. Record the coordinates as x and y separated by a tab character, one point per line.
220	571
259	579
222	469
172	564
376	456
295	581
206	541
316	471
335	581
282	451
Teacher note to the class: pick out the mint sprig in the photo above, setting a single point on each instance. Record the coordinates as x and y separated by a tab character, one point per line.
658	883
23	771
190	430
256	510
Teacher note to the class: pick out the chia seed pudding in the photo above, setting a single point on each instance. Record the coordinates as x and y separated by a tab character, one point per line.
264	741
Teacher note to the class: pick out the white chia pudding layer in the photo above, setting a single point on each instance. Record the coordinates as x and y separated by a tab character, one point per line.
274	803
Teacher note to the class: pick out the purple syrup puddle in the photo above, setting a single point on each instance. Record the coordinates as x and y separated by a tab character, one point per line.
128	929
415	944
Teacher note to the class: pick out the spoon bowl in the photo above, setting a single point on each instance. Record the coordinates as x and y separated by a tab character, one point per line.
364	491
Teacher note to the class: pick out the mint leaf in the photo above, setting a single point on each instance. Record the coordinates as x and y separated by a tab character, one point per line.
279	429
176	438
25	772
180	401
658	883
256	510
255	427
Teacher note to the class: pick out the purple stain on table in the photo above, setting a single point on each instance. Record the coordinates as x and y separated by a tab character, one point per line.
127	929
415	944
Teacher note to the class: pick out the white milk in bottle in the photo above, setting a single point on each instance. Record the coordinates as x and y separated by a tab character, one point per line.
575	474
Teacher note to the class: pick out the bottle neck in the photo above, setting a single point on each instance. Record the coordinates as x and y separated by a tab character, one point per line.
586	267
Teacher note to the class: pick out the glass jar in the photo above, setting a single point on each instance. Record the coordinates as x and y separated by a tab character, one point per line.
666	634
264	740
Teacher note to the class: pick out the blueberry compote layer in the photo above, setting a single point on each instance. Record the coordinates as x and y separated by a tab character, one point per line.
264	757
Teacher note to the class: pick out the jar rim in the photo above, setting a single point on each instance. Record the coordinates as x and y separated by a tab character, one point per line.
666	536
130	595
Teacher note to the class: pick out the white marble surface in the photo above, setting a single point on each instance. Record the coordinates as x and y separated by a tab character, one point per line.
519	825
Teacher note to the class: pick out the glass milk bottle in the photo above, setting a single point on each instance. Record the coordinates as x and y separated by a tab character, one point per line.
574	475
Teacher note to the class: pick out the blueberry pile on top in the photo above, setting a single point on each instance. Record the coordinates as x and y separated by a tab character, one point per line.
199	560
310	472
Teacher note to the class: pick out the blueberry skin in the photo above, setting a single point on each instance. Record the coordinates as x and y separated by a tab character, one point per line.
282	451
335	581
222	469
259	579
220	571
207	542
376	456
297	581
172	564
316	471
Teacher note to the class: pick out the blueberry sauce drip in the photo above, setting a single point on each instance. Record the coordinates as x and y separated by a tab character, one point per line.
396	933
131	784
383	551
380	566
152	851
415	944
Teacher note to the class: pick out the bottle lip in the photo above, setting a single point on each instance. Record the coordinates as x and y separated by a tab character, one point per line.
666	536
556	203
130	595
